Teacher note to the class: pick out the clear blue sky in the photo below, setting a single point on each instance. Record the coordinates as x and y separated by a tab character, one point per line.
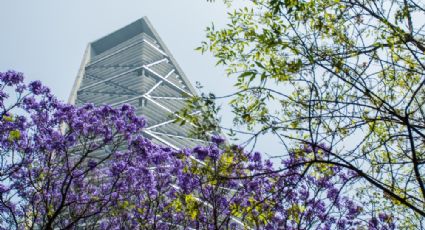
45	39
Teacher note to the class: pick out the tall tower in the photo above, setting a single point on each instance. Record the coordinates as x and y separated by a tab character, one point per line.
132	65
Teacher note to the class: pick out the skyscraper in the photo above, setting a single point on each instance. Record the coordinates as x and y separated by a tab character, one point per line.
132	65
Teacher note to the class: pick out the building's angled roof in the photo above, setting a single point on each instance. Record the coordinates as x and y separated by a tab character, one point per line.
132	65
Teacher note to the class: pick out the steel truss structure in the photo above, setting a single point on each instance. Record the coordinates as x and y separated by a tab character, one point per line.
132	65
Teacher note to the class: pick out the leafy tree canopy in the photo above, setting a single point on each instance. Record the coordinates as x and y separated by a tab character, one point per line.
63	167
345	73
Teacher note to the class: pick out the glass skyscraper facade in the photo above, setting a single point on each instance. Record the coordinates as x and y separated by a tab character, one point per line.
132	65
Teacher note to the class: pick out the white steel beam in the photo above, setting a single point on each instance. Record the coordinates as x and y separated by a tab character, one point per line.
160	124
157	62
169	98
168	122
169	82
158	104
156	48
159	83
176	136
161	139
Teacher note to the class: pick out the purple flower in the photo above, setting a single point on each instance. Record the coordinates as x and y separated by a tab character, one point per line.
11	77
126	107
20	88
332	193
98	157
373	223
201	152
91	164
256	157
3	188
217	139
384	217
36	87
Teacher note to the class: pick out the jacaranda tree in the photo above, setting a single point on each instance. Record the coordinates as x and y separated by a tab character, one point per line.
63	167
349	74
49	177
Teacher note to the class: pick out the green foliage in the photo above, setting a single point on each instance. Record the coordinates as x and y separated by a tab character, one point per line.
14	135
348	74
201	112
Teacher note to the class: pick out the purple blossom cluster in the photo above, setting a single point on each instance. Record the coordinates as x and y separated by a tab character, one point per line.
68	167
